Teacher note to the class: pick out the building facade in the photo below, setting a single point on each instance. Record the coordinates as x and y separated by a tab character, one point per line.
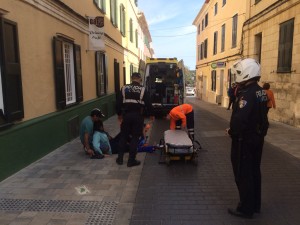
50	79
267	30
272	36
219	43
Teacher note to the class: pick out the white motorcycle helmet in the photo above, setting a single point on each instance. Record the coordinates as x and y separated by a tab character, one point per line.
245	69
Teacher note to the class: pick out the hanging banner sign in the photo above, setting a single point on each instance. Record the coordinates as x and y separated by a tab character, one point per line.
96	33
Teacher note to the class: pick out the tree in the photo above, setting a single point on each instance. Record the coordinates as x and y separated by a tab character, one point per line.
189	77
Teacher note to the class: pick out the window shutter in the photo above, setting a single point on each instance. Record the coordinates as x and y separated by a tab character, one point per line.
59	73
205	49
289	45
78	74
281	50
106	71
11	76
117	76
285	46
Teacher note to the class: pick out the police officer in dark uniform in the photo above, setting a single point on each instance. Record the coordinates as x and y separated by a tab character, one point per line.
131	103
248	126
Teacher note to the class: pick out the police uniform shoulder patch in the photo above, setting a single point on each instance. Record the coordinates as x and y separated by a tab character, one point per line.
242	103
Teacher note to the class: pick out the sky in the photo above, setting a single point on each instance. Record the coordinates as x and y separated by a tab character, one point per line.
171	27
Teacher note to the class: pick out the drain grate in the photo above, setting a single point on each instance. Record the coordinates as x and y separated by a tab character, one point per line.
101	213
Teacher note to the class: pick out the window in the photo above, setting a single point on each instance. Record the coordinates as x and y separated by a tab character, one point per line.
122	20
205	49
131	30
113	12
11	94
198	29
223	38
234	30
101	5
206	20
257	46
131	68
215	50
136	3
101	74
216	8
68	72
213	80
257	1
202	50
199	52
202	24
146	42
136	38
224	2
230	77
285	49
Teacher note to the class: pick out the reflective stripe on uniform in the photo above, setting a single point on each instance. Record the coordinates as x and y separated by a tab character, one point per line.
138	101
133	101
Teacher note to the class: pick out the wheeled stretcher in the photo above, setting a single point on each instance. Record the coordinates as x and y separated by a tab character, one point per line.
178	146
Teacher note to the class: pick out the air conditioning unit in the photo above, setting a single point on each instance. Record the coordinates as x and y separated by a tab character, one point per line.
219	99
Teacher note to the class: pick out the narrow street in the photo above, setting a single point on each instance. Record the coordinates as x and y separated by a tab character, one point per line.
186	195
66	187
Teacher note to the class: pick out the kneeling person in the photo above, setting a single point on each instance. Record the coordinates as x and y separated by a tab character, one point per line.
87	129
100	139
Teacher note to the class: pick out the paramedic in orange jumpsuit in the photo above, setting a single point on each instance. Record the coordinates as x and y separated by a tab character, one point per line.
182	116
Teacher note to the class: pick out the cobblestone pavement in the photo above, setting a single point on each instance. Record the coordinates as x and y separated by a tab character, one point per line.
67	188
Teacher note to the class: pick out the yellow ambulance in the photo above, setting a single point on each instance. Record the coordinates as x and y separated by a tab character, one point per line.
164	80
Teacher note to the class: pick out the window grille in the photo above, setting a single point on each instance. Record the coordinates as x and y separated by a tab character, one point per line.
69	73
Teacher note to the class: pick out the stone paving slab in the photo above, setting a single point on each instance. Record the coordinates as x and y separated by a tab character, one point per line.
184	194
61	186
66	187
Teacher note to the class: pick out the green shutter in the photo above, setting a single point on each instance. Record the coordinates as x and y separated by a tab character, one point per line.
78	73
98	78
59	73
285	47
11	71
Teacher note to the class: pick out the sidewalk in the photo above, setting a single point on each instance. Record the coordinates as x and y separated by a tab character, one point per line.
67	188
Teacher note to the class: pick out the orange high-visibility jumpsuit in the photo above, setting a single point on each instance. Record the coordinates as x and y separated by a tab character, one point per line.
179	113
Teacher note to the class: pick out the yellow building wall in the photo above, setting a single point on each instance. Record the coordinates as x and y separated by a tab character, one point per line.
229	55
286	86
39	21
131	51
36	30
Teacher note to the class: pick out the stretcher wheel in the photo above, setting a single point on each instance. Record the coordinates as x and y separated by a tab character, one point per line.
168	160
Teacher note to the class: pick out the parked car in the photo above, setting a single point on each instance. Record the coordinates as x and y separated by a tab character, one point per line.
190	91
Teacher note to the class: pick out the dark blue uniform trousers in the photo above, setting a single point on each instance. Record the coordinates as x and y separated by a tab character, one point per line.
132	125
246	156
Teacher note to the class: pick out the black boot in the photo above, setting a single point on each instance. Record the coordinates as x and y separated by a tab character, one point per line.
119	161
132	163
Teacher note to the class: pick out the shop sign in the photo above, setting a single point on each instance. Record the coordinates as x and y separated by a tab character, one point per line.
214	65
